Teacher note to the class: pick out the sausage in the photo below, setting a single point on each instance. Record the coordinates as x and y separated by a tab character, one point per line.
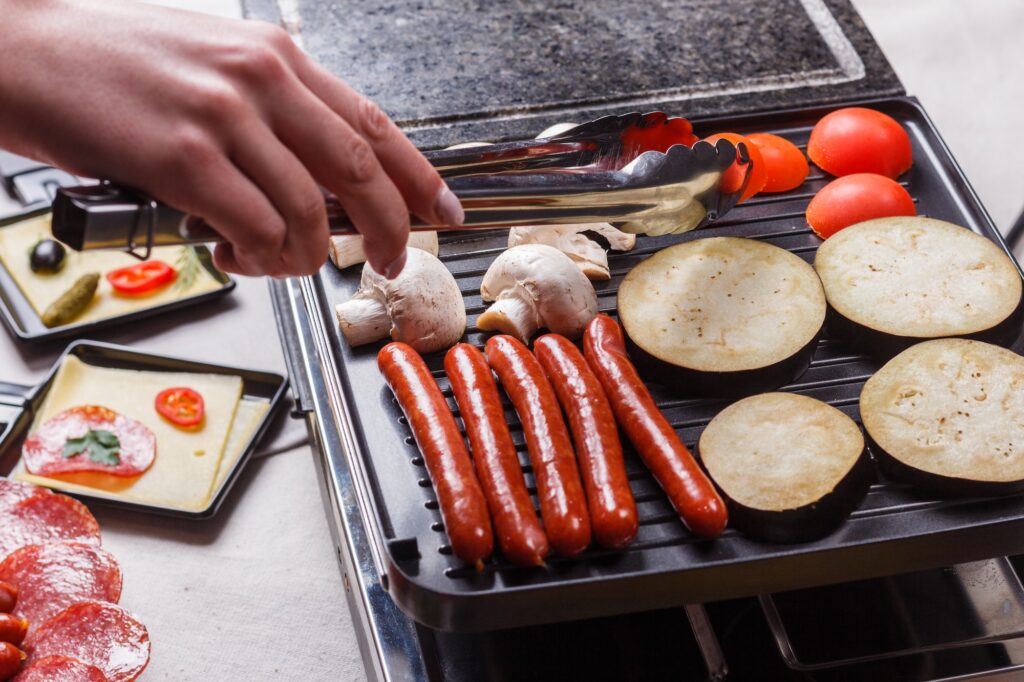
519	532
10	660
462	503
691	493
12	628
563	505
609	498
8	597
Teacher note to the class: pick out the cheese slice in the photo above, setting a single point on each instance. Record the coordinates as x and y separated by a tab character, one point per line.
17	241
247	420
187	462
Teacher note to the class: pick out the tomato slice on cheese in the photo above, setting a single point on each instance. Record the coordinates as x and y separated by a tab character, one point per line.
181	406
141	278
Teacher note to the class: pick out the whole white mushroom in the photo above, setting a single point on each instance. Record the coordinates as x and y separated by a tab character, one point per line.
422	306
534	286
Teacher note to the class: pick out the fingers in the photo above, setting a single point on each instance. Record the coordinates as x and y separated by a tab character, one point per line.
345	163
293	192
202	181
421	186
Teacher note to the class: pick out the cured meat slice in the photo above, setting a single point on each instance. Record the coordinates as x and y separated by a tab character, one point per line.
43	518
54	576
59	669
13	492
99	634
90	438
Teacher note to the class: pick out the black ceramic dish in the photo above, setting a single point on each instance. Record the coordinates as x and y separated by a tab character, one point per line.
24	403
22	320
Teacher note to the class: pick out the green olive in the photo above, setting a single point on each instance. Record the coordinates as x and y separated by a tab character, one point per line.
47	257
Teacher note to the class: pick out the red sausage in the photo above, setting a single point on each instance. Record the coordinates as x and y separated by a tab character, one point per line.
462	503
8	597
612	509
519	532
563	505
10	660
691	493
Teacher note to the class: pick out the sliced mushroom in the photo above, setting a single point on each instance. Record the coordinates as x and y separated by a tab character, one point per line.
573	241
534	286
347	250
422	306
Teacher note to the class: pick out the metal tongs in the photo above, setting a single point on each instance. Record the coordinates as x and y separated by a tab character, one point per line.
646	173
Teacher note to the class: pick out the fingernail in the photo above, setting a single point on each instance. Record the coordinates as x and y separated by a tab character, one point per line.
394	268
448	209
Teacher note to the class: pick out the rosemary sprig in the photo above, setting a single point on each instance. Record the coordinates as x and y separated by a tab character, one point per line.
188	266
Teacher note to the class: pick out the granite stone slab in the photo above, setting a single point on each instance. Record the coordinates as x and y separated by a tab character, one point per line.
453	70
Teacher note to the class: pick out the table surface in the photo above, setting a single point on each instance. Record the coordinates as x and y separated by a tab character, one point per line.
255	593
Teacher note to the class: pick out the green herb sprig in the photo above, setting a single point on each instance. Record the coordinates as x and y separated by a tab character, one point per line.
103	447
188	265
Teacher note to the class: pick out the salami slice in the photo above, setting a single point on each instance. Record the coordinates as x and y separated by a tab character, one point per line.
54	576
43	518
13	492
99	634
90	438
59	669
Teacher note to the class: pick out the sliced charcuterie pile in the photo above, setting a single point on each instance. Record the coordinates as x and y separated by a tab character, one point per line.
99	634
45	517
54	576
13	492
90	438
59	669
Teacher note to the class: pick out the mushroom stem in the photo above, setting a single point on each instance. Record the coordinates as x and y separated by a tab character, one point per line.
513	315
363	320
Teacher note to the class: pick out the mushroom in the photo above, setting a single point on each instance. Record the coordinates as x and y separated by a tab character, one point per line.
573	241
347	249
534	286
422	306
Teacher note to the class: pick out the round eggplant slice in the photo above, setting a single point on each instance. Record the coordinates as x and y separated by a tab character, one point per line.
894	282
722	317
791	468
948	415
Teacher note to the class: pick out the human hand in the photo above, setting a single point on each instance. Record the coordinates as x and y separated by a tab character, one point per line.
224	119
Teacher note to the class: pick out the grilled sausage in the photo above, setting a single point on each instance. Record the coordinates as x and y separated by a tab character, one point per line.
563	505
519	532
462	503
691	493
612	509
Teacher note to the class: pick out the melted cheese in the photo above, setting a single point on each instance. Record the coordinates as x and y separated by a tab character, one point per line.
187	462
16	242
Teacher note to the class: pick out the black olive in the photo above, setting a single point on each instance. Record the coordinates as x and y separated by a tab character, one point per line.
47	256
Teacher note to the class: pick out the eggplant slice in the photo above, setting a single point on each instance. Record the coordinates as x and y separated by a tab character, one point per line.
791	468
948	415
894	282
722	317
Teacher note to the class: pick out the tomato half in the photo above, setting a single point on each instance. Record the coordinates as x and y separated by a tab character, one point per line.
858	140
784	164
141	278
181	406
855	198
733	175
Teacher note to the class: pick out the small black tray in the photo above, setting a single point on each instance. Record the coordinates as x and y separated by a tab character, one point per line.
24	322
895	529
18	405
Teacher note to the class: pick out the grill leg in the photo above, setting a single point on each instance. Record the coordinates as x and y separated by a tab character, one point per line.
707	641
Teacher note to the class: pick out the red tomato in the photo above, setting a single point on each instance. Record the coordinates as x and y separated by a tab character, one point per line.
141	278
733	175
784	163
858	140
855	198
181	405
658	137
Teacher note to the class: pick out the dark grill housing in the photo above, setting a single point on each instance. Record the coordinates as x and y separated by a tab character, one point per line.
895	529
